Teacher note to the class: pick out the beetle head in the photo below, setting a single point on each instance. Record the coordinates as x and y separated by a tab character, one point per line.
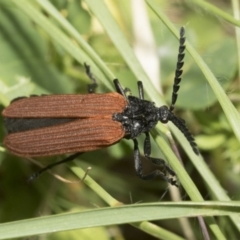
163	114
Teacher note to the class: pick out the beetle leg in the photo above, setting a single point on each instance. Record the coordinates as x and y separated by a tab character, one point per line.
156	161
50	166
140	90
139	169
93	86
120	89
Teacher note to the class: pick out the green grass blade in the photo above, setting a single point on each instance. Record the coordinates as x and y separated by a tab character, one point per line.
117	215
209	8
230	112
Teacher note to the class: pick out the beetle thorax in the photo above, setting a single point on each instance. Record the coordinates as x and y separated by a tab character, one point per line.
139	116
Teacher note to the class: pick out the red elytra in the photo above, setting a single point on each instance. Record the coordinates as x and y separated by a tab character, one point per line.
92	126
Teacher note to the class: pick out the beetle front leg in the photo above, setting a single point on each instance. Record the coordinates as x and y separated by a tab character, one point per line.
120	89
156	161
139	169
140	90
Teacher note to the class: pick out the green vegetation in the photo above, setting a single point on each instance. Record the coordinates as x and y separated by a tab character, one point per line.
43	47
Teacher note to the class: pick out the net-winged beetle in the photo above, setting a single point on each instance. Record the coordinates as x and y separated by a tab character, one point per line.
57	124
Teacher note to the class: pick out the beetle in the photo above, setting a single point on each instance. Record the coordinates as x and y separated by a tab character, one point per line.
58	124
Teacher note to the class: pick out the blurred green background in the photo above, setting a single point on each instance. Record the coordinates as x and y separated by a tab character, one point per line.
33	63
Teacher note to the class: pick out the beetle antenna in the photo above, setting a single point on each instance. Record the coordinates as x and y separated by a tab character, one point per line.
178	72
181	125
179	122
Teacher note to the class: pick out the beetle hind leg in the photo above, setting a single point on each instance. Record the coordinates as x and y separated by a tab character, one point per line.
50	166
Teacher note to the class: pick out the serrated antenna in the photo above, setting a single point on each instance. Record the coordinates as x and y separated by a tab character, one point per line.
178	72
178	122
181	125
